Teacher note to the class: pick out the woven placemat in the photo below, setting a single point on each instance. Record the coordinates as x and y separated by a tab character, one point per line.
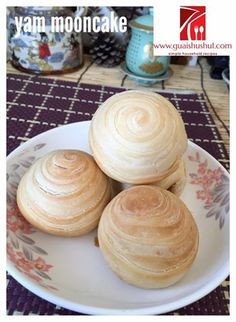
37	104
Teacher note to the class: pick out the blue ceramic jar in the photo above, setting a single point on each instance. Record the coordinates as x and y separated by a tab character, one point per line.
139	56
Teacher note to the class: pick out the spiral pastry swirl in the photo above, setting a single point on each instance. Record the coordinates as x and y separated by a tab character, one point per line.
137	137
64	193
148	236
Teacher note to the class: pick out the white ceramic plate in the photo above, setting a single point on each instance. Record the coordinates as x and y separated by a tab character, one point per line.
72	273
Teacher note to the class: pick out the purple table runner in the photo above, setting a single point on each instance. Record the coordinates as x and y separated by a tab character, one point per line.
37	104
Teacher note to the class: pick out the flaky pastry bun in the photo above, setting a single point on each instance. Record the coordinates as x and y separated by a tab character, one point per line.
64	193
148	237
137	137
174	182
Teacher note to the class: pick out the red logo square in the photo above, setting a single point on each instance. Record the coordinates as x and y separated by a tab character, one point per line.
192	23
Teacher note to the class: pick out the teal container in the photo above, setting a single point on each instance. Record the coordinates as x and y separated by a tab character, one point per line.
139	56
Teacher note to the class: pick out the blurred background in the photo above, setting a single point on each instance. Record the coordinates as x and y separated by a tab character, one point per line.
59	52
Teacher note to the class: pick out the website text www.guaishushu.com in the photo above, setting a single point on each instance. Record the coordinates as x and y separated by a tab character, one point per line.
177	49
192	45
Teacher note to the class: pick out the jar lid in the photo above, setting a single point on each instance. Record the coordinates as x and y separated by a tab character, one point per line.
144	23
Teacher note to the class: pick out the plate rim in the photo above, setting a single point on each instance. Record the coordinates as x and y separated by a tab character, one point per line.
222	273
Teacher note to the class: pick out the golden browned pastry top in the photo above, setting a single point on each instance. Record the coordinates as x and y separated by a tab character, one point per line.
64	191
148	236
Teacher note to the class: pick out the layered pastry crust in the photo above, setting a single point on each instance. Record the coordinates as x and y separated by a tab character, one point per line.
148	237
137	137
64	193
174	182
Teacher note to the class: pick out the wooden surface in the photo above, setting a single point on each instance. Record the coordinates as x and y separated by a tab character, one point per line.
185	78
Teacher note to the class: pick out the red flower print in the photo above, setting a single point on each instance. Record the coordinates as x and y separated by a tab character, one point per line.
201	194
11	254
24	263
206	182
214	189
217	174
202	167
209	200
205	178
195	158
16	222
198	180
41	265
